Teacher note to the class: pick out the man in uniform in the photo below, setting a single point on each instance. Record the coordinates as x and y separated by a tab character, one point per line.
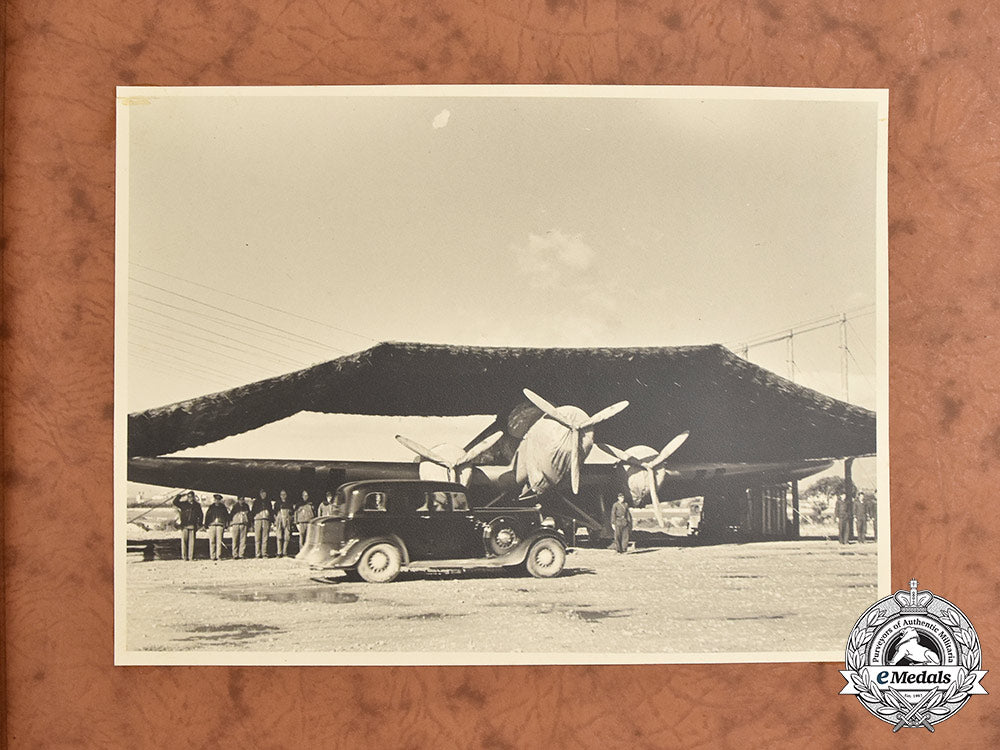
261	513
239	520
621	523
283	513
860	516
190	521
303	515
216	518
871	510
326	507
842	517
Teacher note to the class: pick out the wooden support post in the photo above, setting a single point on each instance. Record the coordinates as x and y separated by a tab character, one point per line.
795	509
849	495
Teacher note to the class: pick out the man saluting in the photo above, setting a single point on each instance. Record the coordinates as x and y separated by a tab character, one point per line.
190	521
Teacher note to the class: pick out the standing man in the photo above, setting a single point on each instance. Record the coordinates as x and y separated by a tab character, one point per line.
860	515
261	513
621	523
283	512
190	521
871	510
239	520
216	518
842	517
326	507
303	515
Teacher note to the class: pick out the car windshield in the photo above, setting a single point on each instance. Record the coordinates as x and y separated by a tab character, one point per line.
442	501
374	500
396	500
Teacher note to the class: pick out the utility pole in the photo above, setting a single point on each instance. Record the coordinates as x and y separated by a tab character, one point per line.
791	356
844	353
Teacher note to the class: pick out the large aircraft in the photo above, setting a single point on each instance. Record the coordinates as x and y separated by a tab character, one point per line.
457	463
645	471
559	441
745	425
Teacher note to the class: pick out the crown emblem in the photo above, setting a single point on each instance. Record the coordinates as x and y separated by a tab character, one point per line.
913	602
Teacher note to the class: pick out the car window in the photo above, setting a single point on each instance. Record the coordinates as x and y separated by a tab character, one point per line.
437	501
441	501
375	501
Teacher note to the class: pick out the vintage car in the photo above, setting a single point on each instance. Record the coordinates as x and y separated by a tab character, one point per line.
385	526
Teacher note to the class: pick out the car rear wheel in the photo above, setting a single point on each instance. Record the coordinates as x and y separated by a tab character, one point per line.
546	558
380	563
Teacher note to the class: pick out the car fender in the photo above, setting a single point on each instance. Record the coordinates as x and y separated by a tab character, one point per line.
350	556
520	552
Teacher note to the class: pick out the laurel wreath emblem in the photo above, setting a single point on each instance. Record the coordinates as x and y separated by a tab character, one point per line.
941	703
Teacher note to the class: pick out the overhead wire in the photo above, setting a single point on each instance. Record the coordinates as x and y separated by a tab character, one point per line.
274	356
223	310
795	331
283	337
198	350
253	301
783	333
861	369
199	366
860	340
215	356
149	363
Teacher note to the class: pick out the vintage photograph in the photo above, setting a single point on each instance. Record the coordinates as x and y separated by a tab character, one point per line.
502	375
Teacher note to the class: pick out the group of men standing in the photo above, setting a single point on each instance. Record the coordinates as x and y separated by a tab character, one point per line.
863	508
262	514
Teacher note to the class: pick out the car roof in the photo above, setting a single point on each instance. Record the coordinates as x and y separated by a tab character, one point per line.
422	485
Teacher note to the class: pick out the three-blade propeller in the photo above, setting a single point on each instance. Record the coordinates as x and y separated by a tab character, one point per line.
578	423
454	467
649	466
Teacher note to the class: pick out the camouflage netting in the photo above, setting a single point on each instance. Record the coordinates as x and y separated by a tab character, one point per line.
736	411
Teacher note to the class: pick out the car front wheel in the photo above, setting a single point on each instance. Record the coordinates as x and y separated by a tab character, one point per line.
500	536
546	558
380	563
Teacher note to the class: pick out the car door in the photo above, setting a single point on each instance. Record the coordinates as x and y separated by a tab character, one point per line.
450	527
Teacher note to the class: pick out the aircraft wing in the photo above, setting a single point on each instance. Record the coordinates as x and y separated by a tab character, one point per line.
239	476
737	412
692	480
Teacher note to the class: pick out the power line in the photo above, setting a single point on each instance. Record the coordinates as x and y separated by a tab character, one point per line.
283	338
274	355
157	352
805	327
201	367
199	350
797	331
215	355
860	340
860	370
253	302
227	312
151	364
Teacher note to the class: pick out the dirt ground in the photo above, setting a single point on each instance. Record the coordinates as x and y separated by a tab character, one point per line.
755	597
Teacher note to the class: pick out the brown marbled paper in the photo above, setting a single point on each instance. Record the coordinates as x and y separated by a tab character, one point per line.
63	61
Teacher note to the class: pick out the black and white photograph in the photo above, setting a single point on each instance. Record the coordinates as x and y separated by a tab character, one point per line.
499	374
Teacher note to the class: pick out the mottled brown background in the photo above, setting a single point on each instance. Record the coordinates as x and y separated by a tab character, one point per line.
63	59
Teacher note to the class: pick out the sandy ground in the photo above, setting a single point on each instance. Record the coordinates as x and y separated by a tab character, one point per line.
768	596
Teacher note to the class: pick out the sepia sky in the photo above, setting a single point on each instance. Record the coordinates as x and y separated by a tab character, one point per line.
268	232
